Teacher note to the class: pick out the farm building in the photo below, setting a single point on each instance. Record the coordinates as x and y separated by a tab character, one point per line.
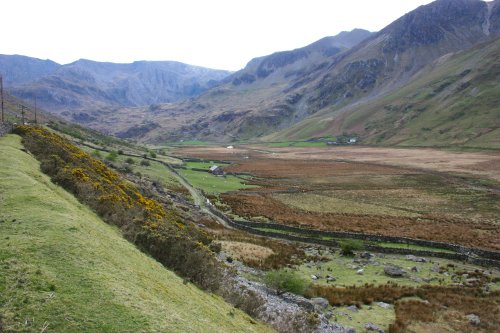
216	170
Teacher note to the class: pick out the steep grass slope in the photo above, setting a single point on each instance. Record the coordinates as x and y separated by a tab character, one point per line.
64	269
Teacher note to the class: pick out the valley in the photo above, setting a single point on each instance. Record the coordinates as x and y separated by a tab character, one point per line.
351	185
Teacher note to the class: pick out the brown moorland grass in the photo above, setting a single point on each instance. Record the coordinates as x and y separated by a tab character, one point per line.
434	306
365	194
477	163
282	253
430	228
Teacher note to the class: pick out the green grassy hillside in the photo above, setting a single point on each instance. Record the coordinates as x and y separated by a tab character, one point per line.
453	102
62	269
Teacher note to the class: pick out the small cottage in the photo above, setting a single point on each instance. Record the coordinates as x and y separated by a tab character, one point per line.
216	170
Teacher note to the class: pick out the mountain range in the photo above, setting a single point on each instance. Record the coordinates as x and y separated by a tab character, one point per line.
429	78
79	91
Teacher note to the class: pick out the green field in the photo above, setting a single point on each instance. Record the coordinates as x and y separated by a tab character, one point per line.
62	269
296	144
213	184
203	165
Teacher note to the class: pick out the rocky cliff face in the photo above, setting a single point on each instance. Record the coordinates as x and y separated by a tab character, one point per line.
81	89
18	69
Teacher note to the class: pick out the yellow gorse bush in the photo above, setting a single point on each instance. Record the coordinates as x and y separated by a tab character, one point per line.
82	169
143	221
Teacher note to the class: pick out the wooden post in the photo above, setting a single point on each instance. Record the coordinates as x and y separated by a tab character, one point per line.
36	122
22	113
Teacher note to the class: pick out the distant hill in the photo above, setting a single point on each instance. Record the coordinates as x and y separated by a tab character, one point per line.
322	89
18	69
80	90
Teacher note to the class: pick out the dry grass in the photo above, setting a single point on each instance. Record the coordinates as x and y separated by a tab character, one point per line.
430	228
481	164
355	189
246	251
328	204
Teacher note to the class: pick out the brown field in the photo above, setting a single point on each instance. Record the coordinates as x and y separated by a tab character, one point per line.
420	193
475	163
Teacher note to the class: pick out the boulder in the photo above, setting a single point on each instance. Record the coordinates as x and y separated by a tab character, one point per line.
384	305
330	279
394	271
415	258
314	277
435	268
473	319
373	327
366	255
320	303
360	271
415	269
416	279
353	308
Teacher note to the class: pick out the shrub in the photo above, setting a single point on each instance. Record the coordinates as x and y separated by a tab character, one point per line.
127	169
130	160
286	281
96	153
348	246
112	156
145	163
153	154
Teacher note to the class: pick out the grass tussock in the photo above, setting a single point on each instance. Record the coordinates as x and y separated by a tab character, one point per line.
278	254
430	305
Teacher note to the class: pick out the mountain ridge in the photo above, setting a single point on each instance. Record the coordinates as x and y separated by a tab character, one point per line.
382	63
79	90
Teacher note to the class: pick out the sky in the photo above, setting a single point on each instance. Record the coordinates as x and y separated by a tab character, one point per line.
222	34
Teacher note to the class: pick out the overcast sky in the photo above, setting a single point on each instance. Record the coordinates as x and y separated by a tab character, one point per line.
223	34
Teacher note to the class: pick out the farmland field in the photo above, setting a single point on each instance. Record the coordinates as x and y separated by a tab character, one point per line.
421	193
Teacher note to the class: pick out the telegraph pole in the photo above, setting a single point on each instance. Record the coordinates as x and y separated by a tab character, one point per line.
1	94
36	122
22	113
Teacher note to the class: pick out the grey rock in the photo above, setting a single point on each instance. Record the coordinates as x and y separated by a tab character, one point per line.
360	271
435	268
416	279
314	277
366	255
384	305
473	319
415	258
320	303
415	269
373	327
353	308
394	271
